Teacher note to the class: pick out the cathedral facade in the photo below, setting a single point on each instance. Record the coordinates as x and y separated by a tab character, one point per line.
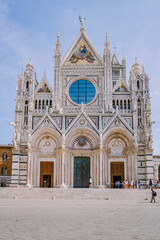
93	123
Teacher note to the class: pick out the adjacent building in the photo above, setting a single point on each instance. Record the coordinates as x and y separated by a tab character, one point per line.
5	165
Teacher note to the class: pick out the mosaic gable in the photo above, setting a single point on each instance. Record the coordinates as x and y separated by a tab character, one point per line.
121	88
82	55
44	88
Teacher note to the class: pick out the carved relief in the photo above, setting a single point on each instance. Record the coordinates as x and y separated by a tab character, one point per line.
36	121
106	121
58	121
128	120
69	120
116	147
47	146
95	120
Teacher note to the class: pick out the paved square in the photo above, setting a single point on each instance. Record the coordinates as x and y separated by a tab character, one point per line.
84	217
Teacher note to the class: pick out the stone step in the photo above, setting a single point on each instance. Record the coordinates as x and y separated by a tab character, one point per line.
78	193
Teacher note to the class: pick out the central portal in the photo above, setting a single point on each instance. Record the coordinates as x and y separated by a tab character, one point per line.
81	172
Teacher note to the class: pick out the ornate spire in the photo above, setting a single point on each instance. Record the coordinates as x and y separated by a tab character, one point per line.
57	50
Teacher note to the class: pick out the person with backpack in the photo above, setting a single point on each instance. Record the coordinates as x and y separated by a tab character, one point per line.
154	194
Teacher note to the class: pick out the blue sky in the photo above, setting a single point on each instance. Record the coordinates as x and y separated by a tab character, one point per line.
28	29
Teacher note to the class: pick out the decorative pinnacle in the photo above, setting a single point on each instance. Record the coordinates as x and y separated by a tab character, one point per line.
29	63
106	37
123	58
106	43
58	35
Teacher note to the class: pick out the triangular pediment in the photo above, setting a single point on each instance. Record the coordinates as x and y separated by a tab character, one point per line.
44	86
121	87
48	122
82	121
118	122
82	53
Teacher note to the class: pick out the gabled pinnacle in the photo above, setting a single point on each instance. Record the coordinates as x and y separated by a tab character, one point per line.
123	58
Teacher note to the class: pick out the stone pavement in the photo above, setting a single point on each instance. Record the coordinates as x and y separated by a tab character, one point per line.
57	214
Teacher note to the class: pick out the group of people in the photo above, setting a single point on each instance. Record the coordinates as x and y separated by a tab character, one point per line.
151	185
125	184
132	184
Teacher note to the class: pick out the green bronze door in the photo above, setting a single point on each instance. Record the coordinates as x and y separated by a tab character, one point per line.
81	172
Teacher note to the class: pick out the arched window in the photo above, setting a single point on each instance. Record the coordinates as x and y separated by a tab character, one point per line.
124	104
27	86
159	173
138	85
26	108
50	103
139	112
39	104
26	113
129	105
121	105
43	105
114	104
4	157
47	102
5	173
35	104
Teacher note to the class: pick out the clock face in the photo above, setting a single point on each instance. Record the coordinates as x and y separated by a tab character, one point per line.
82	91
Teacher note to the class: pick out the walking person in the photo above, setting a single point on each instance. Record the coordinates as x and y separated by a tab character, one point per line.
154	194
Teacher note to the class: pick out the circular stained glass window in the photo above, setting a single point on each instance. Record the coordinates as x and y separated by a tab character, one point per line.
82	91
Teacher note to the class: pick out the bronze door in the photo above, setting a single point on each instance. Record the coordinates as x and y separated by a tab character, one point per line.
81	172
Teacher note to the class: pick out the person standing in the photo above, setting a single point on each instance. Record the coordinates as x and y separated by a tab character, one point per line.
131	184
90	182
139	184
150	183
154	194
